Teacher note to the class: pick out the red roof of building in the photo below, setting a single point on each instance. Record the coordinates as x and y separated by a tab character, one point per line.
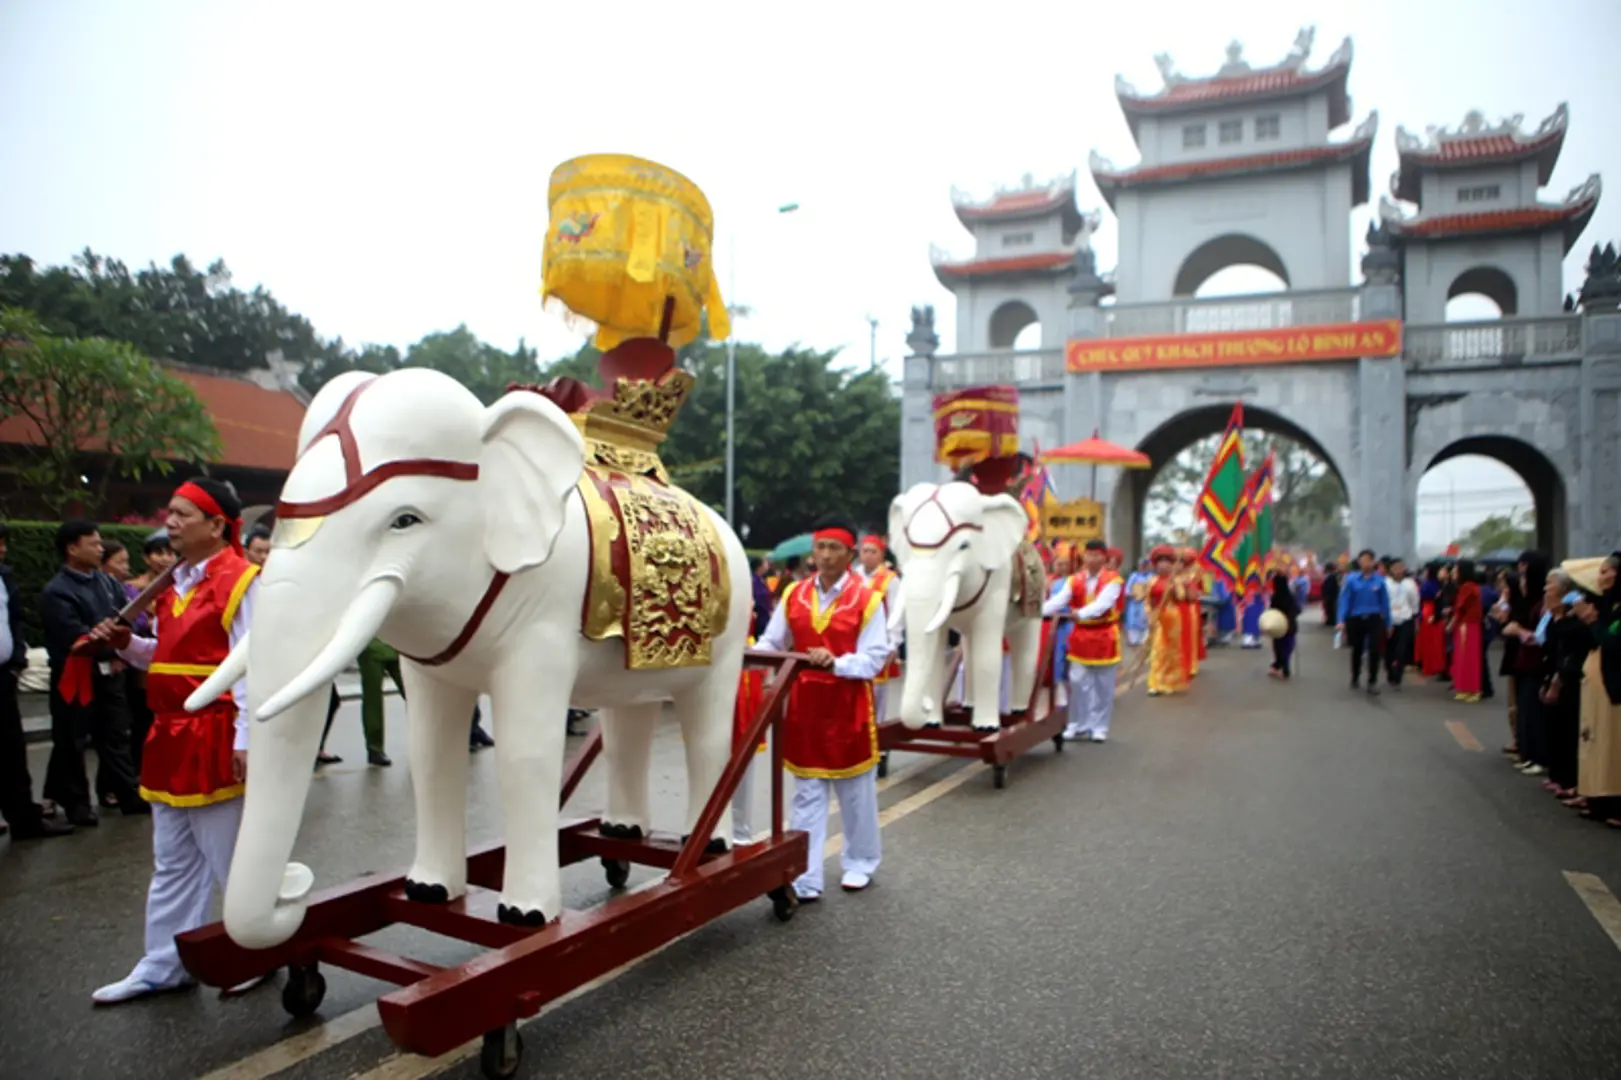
258	428
1499	146
1286	80
1030	203
1573	217
1109	179
1019	264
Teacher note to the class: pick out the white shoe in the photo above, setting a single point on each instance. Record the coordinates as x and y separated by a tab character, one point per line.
805	896
129	988
243	987
1098	736
855	882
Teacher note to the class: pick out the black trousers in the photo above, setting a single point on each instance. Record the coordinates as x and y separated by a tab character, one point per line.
1562	732
1366	632
1399	650
103	724
17	804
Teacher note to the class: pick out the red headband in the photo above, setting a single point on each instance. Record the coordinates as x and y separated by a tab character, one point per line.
201	499
875	541
843	536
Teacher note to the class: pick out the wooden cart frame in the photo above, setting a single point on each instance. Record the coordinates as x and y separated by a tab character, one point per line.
437	1008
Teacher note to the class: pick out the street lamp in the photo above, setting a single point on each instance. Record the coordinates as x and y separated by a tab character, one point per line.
731	366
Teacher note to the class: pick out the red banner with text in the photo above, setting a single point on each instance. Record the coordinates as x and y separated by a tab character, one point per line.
1293	344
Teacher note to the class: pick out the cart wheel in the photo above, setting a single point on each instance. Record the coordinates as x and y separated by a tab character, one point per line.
999	776
617	872
883	764
305	989
1058	744
503	1050
783	903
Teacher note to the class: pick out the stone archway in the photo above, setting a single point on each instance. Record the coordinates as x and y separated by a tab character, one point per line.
1184	429
1011	319
1541	477
1491	283
1222	252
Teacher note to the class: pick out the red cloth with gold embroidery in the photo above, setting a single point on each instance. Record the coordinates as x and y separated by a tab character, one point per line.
187	757
882	579
1094	642
829	732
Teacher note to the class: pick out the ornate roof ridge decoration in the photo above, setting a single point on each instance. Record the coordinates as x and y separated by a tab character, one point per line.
1474	128
1236	67
1027	185
950	270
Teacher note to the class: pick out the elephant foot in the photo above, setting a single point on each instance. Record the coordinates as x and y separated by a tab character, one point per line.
716	846
994	725
423	893
620	832
512	916
932	724
1019	716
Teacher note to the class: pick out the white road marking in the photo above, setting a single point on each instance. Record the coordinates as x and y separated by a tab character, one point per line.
1599	900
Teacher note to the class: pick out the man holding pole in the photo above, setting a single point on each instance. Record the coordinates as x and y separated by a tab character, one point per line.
195	764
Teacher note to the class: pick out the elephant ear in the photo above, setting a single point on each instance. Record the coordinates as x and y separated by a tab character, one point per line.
899	514
531	459
1005	527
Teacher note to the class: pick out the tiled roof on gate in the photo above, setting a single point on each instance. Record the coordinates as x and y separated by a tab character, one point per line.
1029	200
1111	178
1237	82
1044	262
258	427
1572	215
1475	144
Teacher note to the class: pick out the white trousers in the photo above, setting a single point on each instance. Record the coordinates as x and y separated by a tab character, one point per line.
880	700
959	689
1091	698
191	853
743	807
858	810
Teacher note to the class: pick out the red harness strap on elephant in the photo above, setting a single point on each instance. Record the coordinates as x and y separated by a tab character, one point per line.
358	482
829	731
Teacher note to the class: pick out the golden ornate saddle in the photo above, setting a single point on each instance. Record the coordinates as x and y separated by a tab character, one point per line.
658	576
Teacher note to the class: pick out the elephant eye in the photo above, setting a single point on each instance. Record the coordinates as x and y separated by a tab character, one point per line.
404	520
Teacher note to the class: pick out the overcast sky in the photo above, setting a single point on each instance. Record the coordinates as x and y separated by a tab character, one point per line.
382	168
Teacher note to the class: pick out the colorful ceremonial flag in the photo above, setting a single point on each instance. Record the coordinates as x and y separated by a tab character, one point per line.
1218	556
1221	503
1256	550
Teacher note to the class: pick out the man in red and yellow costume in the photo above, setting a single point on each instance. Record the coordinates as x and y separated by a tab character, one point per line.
886	583
1091	599
194	765
1187	571
830	733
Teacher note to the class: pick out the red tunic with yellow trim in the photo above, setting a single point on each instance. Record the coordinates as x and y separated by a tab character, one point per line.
880	583
1094	642
829	732
187	757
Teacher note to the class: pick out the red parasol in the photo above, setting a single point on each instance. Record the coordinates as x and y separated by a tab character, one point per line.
1096	451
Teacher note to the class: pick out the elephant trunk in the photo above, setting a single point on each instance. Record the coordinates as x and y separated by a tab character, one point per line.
265	895
923	698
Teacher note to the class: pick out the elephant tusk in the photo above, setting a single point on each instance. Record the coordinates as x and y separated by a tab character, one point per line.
230	671
360	623
948	599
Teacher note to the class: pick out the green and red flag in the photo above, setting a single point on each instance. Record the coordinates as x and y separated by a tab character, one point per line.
1221	502
1220	559
1256	551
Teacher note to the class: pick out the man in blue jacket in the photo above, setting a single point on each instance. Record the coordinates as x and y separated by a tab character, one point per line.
1364	613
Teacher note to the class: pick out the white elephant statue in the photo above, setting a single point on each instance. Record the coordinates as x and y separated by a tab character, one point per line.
962	569
456	534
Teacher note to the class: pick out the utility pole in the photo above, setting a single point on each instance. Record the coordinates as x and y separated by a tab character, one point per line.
872	321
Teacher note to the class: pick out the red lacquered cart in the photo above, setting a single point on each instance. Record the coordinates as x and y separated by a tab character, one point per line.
438	1009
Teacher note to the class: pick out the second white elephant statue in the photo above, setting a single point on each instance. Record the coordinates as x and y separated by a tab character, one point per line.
455	533
962	570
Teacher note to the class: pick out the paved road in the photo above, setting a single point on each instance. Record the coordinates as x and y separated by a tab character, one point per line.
1256	880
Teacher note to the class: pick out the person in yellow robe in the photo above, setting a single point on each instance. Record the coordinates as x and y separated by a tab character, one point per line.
1167	602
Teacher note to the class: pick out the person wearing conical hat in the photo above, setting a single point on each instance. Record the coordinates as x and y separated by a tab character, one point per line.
830	732
1091	599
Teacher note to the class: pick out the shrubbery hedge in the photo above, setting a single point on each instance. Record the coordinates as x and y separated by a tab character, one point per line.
33	561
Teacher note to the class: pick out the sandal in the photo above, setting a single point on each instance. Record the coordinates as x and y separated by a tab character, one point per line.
324	758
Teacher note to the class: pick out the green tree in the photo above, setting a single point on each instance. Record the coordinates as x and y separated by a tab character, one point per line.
1309	505
85	400
1516	530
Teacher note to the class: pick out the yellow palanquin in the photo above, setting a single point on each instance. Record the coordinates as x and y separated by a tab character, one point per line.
628	248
